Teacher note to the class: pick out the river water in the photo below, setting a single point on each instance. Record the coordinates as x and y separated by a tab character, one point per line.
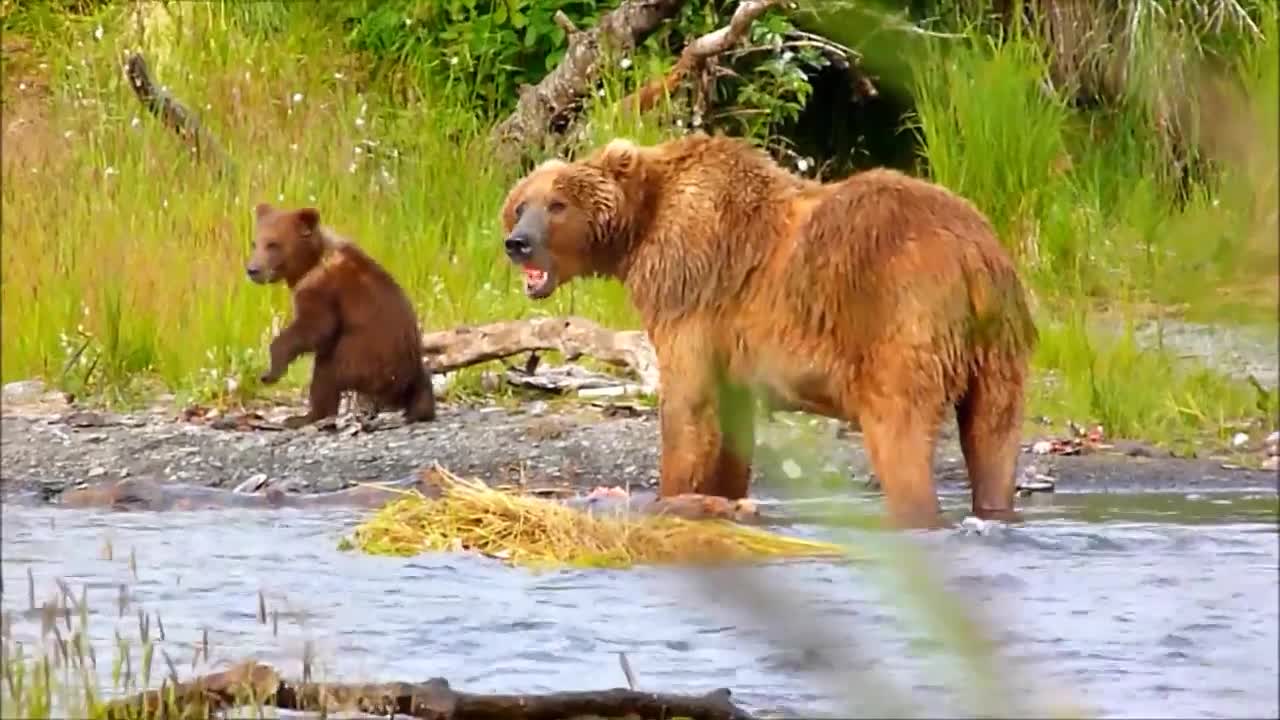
1135	605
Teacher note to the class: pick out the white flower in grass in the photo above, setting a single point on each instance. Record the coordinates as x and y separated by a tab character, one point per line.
97	33
624	63
297	97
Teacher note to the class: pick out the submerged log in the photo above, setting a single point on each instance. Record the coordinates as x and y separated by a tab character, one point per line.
252	683
137	494
142	494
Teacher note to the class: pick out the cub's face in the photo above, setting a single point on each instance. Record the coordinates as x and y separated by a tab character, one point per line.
285	244
549	228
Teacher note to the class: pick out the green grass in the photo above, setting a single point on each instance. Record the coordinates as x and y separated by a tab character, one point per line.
123	258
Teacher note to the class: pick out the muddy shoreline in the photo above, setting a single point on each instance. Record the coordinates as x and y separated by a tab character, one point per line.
45	450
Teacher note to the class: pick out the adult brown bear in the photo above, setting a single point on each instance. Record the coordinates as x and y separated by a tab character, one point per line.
348	311
880	299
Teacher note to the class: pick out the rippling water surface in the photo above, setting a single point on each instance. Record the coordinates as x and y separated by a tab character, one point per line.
1134	605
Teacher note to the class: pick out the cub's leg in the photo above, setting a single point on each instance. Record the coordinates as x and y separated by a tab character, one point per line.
900	421
990	421
421	405
697	456
325	393
314	324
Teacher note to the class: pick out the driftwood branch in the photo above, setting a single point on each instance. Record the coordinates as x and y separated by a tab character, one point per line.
174	114
563	88
250	683
697	54
574	337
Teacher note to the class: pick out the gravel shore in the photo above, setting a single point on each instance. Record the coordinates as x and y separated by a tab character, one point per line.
46	449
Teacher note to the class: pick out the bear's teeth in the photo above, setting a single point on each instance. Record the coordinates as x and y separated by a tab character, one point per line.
533	275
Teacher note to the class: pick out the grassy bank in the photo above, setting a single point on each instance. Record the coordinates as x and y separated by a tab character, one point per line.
123	258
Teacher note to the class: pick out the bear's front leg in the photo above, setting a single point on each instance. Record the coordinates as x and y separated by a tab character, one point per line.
285	348
707	437
314	325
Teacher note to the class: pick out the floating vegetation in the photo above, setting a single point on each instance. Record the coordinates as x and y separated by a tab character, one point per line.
534	532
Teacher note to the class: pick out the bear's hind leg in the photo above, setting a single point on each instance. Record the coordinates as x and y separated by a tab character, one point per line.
325	394
900	436
990	421
420	403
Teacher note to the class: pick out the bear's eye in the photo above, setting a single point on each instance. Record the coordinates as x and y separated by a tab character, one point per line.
273	245
519	210
556	206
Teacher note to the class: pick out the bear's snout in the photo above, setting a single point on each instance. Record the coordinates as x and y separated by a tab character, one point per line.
254	272
519	247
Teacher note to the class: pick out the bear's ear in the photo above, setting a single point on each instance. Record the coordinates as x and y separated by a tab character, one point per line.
619	157
261	210
309	218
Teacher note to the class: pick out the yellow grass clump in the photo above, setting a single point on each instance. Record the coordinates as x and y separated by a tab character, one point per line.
535	532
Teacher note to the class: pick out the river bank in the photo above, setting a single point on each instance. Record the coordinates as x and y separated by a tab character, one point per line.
48	447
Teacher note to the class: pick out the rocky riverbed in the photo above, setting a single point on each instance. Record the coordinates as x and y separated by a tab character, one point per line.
48	446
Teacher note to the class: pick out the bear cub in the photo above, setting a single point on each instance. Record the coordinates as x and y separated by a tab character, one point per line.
348	312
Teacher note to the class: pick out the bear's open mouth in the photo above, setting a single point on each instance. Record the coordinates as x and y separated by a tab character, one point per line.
538	283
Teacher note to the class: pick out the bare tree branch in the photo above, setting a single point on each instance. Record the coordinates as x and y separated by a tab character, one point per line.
696	55
563	88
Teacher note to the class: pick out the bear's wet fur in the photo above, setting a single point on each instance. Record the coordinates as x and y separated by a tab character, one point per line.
881	299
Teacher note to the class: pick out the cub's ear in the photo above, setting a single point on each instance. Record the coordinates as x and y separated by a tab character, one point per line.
618	158
309	218
262	210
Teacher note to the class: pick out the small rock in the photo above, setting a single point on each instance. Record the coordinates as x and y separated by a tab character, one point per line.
23	391
1239	439
1272	463
252	484
84	419
791	468
97	472
1042	447
330	484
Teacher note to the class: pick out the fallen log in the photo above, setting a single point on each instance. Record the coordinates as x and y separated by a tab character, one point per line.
539	106
574	337
175	115
250	684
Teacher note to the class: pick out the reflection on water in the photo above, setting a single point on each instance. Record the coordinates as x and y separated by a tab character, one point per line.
1140	605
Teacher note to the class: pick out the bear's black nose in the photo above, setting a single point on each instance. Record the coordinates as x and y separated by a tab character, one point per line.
253	272
518	247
